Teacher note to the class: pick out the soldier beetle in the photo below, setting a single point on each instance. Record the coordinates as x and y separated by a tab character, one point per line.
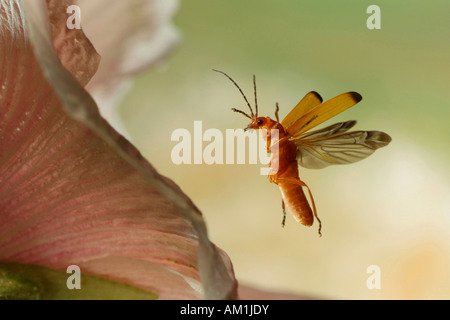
296	145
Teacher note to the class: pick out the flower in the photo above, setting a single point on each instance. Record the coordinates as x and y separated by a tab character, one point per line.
73	191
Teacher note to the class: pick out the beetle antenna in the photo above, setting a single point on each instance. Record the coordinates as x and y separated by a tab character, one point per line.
245	98
242	112
256	99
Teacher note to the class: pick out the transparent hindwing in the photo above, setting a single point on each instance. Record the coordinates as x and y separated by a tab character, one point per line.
334	145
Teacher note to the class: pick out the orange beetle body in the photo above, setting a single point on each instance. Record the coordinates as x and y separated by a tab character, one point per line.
283	169
295	145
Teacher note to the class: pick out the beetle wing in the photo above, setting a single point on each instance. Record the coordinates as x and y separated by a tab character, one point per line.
310	100
323	112
328	131
324	147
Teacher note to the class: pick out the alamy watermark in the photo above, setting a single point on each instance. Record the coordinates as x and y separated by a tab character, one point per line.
374	20
74	280
74	19
374	280
211	146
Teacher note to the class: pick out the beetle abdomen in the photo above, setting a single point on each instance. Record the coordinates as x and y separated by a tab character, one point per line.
295	201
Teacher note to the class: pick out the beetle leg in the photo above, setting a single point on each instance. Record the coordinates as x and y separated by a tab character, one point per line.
284	213
276	112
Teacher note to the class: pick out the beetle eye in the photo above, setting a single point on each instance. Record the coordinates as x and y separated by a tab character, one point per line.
260	122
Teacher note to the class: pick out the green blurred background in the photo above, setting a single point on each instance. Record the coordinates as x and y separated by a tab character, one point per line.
390	210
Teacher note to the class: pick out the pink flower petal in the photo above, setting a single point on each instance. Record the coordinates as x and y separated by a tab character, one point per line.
72	190
130	36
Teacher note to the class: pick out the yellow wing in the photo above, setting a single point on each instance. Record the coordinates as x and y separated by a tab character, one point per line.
333	145
310	100
320	113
